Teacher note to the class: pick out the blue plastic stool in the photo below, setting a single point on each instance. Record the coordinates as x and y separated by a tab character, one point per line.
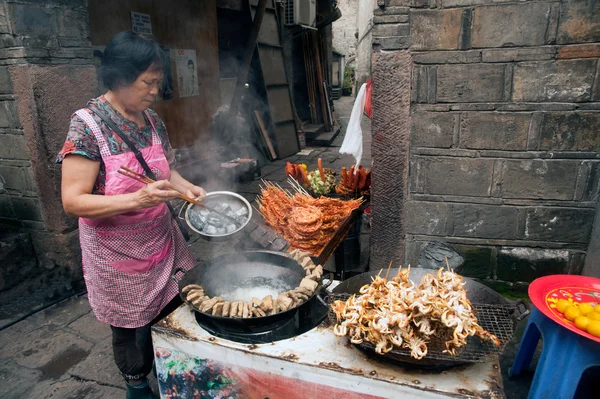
565	356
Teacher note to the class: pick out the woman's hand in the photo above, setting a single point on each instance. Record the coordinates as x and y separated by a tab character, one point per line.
196	192
155	194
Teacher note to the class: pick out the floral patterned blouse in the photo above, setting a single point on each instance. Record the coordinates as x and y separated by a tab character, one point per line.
81	139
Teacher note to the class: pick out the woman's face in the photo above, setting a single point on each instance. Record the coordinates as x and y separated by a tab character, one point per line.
142	93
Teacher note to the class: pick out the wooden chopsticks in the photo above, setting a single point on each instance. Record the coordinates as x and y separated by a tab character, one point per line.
146	180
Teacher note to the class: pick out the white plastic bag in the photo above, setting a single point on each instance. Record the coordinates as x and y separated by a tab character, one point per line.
353	142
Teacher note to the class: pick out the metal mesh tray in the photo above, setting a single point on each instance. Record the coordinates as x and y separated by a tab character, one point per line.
496	319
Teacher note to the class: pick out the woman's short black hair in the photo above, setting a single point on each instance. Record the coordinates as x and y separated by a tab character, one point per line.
126	56
190	62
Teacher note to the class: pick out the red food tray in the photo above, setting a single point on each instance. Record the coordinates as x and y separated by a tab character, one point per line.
546	291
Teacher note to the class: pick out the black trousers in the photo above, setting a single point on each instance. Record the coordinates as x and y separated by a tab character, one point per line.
132	347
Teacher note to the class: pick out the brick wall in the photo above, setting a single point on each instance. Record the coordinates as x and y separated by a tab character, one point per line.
344	30
45	72
504	132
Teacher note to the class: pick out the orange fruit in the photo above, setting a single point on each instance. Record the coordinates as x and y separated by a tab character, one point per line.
597	308
594	316
594	328
582	322
562	305
585	308
571	312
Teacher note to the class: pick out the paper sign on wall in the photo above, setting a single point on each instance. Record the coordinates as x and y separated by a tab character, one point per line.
187	72
141	23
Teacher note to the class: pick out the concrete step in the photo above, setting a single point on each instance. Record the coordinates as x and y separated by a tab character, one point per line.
324	139
311	131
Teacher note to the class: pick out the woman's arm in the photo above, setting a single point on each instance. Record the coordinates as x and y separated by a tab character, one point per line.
185	187
78	177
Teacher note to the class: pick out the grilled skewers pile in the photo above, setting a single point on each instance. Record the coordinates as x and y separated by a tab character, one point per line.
307	223
398	313
353	183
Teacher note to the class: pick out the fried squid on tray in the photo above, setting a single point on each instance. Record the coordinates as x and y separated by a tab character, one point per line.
398	313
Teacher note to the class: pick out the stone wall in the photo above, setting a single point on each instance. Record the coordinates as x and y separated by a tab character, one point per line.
45	73
364	49
344	30
504	133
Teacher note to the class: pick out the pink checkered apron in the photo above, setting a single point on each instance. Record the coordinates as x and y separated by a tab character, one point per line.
128	259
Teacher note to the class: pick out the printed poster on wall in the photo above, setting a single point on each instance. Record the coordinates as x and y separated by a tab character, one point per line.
141	23
187	72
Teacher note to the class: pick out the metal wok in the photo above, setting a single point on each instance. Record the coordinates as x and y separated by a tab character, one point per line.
498	311
242	272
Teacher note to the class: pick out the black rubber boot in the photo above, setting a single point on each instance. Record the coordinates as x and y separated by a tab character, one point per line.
141	391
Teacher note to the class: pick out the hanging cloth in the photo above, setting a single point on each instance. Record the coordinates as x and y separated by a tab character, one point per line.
353	142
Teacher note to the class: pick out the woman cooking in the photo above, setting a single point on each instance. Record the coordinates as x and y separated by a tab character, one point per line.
129	240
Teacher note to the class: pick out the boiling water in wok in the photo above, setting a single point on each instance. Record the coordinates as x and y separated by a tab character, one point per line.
234	277
258	287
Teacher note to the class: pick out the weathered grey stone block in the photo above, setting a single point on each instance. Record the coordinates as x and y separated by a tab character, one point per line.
17	258
390	19
32	20
579	21
72	53
5	82
428	218
6	210
579	51
390	43
73	42
388	30
464	3
521	24
408	3
470	83
9	116
391	11
559	224
13	146
456	176
27	208
494	131
590	190
519	54
73	23
17	179
432	129
527	264
477	261
485	221
436	254
435	30
4	24
22	52
447	57
59	250
539	179
568	80
570	131
8	40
